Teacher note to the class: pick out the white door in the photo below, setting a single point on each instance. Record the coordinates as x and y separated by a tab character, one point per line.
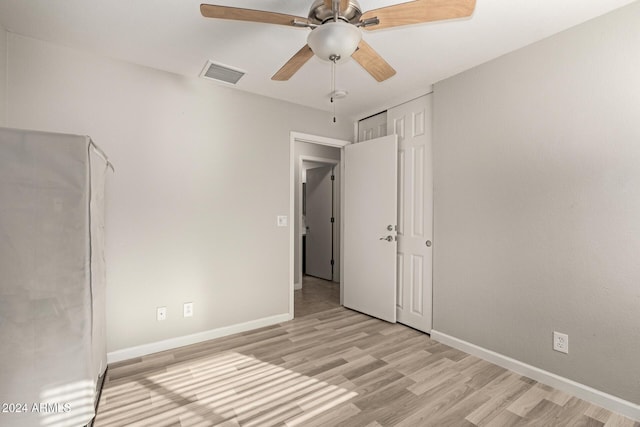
370	215
411	122
319	214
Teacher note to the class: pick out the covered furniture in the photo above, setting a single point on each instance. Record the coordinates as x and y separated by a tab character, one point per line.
52	278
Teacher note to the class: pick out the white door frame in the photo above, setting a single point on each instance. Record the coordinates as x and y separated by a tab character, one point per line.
313	139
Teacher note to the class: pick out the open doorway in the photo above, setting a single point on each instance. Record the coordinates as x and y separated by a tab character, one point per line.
319	155
319	229
319	219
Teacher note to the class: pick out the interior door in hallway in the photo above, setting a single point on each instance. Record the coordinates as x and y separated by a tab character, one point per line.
370	215
411	122
319	221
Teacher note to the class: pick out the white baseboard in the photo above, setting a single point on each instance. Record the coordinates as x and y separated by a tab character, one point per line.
597	397
154	347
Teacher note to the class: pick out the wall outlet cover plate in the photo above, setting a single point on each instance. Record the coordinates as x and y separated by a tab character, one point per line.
560	342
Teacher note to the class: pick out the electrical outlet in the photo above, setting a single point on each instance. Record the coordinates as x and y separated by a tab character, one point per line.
187	309
161	313
282	220
560	342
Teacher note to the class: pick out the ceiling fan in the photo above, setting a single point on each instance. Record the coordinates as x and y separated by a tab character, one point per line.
335	28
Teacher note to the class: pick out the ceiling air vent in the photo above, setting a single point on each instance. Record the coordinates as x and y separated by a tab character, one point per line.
221	73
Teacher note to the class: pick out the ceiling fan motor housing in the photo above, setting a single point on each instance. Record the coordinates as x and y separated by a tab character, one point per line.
320	13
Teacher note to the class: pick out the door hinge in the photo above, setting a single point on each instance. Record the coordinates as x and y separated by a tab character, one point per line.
332	262
333	177
333	220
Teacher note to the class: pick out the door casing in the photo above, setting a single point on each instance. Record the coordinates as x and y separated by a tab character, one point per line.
313	139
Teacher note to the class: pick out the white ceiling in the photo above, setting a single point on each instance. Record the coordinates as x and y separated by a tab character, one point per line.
171	35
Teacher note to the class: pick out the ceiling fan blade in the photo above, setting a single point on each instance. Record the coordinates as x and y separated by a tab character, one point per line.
371	61
237	14
294	64
419	11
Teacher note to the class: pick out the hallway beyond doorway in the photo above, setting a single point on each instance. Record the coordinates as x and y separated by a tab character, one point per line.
315	296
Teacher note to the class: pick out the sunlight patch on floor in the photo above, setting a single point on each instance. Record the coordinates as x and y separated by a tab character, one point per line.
223	389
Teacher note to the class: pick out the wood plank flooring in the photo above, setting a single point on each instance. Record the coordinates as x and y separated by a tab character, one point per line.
315	296
332	367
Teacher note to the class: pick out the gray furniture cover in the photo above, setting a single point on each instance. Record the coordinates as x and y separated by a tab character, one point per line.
52	278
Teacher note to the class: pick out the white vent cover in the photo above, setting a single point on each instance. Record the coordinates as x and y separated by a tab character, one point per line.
221	73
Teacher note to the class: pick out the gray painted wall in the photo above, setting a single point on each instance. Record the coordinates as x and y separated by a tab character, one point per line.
3	76
537	203
202	171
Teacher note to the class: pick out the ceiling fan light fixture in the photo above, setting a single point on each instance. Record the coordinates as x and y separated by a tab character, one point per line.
334	40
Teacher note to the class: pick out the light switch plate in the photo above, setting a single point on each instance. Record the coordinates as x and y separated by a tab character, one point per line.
161	313
187	310
283	221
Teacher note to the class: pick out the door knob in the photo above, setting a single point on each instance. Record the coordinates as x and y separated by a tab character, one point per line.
390	227
387	238
428	243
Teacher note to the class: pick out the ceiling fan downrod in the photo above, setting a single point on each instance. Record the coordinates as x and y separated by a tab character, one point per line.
336	11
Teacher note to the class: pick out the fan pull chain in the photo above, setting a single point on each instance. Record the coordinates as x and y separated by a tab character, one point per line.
333	85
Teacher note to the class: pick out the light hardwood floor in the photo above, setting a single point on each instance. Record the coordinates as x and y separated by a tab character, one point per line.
331	366
315	296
